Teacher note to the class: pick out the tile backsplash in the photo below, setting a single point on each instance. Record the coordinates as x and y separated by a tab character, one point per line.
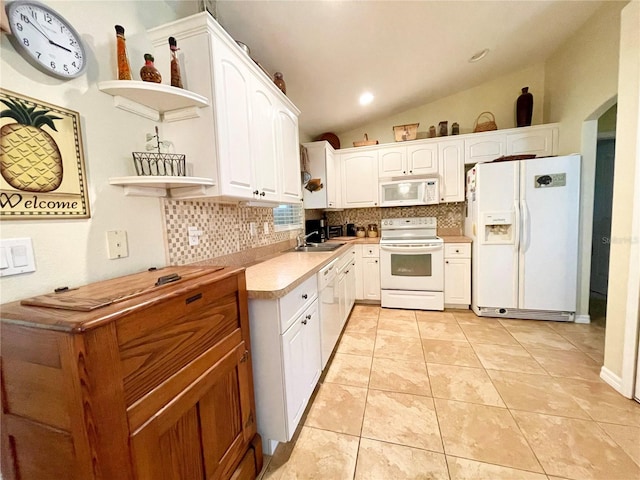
450	216
224	229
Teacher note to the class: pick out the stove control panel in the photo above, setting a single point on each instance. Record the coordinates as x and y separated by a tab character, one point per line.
409	222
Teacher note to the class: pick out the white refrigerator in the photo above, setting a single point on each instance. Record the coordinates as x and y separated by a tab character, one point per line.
523	219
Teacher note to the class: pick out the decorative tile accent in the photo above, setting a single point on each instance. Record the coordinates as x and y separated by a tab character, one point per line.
449	215
225	231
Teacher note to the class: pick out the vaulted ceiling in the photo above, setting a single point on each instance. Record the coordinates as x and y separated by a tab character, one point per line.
406	53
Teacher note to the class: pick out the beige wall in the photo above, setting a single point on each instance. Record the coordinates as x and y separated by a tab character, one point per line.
497	96
626	161
581	83
73	252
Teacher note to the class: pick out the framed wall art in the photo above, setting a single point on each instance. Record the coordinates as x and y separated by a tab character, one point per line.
41	160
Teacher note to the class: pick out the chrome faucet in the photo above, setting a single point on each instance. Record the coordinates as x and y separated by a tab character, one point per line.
301	239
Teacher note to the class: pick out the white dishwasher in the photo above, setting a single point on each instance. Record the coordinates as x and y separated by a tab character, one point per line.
330	324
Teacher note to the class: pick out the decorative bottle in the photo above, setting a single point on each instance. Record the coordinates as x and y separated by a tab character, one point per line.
124	69
279	81
148	72
176	79
524	108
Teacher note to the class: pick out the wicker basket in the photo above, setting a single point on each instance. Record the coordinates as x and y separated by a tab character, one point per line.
485	126
405	132
366	142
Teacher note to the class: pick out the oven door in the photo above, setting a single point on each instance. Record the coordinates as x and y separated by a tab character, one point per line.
412	267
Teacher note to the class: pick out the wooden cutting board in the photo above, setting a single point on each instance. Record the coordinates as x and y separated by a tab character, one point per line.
98	295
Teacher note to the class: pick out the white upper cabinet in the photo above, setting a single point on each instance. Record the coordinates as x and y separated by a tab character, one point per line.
359	179
541	141
400	160
288	155
322	165
247	140
451	170
232	86
264	155
484	147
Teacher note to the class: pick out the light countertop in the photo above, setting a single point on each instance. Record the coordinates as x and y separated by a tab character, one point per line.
281	273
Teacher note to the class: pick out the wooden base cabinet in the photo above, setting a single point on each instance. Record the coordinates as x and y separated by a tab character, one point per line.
155	386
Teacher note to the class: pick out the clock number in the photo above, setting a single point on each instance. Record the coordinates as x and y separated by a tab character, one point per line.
25	40
74	65
24	18
39	54
77	55
73	43
19	26
47	17
66	69
53	64
34	14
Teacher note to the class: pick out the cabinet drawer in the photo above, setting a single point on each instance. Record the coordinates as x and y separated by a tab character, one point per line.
157	342
457	250
296	300
371	251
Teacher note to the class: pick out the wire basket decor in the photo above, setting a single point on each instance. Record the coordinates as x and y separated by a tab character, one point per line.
159	164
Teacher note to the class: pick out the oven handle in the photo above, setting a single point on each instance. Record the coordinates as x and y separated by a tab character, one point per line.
411	248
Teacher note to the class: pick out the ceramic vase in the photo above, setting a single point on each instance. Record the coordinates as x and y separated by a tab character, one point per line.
279	81
176	78
524	108
148	72
124	69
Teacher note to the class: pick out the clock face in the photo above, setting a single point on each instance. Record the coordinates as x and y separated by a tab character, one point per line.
46	39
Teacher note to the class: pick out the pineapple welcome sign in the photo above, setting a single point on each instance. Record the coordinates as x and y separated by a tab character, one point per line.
41	160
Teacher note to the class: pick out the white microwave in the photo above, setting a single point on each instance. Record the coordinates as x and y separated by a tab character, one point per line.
403	193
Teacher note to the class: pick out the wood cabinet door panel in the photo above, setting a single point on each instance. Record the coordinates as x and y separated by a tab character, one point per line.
171	335
203	429
36	452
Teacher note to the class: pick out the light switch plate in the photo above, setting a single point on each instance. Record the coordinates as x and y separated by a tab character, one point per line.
117	244
17	256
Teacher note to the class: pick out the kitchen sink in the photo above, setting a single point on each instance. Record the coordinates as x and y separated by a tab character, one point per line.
317	247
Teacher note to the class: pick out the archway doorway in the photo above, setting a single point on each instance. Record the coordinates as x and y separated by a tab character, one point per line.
602	206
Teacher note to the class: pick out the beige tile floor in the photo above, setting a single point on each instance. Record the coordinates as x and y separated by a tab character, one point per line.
448	395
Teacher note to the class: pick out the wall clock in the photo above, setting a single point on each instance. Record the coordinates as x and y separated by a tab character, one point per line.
46	39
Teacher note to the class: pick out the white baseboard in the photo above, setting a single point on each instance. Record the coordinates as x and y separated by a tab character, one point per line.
583	319
613	380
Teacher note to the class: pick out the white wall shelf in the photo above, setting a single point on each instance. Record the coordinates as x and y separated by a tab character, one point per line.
154	101
157	186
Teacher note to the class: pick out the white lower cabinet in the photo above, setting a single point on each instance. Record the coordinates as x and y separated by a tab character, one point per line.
457	275
369	272
301	362
286	349
346	283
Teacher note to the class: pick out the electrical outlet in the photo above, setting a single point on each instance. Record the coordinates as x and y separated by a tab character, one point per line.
266	228
194	235
252	229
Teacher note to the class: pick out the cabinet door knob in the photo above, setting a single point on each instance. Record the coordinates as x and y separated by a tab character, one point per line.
410	171
457	251
304	322
305	296
404	171
376	261
308	317
262	194
446	261
255	192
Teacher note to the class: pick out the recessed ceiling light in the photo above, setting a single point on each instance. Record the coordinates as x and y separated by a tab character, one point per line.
366	98
479	55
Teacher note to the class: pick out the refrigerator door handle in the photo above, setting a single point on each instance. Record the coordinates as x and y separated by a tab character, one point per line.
525	220
516	236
